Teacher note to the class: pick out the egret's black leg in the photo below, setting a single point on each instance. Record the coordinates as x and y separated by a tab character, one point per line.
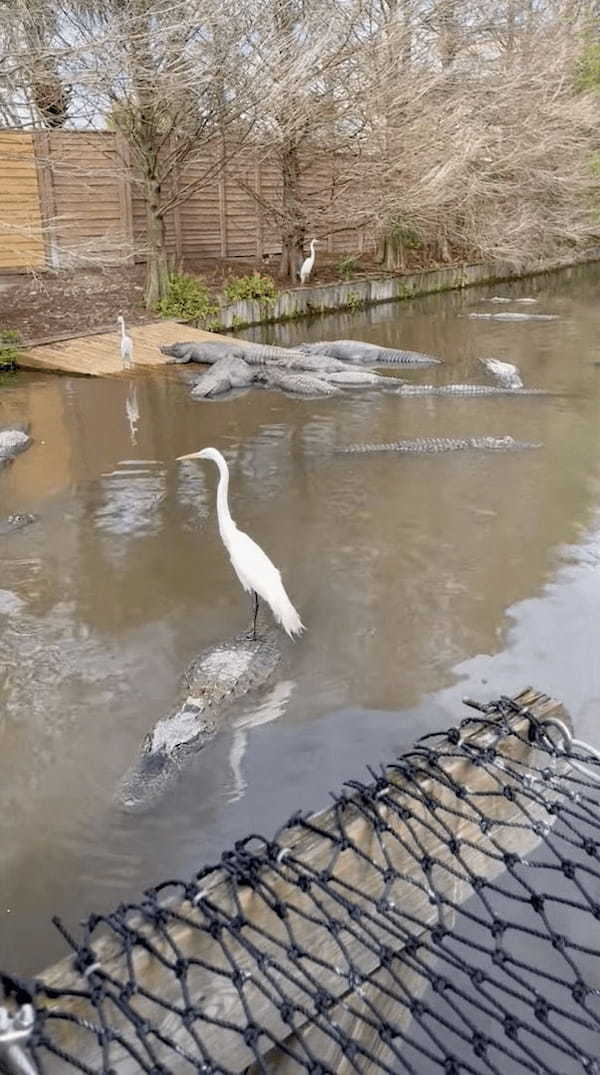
255	615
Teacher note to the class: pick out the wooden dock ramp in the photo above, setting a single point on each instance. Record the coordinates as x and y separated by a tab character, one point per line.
99	354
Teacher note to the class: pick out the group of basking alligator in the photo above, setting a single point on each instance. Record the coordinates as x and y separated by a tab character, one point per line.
324	369
230	670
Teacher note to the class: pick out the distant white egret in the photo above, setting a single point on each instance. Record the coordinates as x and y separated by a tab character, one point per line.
252	566
126	345
308	263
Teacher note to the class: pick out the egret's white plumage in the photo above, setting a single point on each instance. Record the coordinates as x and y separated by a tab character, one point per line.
505	372
252	566
308	263
126	345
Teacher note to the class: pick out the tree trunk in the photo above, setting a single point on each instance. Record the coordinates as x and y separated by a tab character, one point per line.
293	230
157	264
449	32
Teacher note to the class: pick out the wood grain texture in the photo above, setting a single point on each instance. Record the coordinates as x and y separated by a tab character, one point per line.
83	189
21	231
99	354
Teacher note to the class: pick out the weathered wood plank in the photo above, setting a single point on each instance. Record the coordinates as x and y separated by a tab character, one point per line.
21	242
99	353
400	846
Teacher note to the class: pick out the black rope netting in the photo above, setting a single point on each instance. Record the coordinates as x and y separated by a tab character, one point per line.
442	917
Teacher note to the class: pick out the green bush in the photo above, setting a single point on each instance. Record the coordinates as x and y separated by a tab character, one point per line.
10	347
405	236
254	286
346	267
188	299
587	73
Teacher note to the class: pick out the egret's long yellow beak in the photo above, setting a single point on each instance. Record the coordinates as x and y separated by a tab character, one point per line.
192	455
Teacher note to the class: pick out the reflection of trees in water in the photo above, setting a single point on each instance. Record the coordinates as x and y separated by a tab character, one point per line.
128	497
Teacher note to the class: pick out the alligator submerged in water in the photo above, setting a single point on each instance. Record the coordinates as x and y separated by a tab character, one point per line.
372	353
16	522
13	440
220	675
467	390
438	445
513	317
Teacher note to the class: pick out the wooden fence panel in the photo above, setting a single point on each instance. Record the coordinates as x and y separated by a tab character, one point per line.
68	199
87	177
200	215
242	210
21	238
271	192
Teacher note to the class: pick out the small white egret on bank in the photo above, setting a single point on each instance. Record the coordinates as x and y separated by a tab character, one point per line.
126	345
308	263
252	566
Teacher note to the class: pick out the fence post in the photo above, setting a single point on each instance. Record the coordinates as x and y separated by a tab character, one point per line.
125	198
258	206
223	209
177	223
42	154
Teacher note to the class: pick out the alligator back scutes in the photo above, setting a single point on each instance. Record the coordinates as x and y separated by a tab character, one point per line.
435	445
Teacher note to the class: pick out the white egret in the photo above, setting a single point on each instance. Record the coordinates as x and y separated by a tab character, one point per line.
308	263
126	345
252	566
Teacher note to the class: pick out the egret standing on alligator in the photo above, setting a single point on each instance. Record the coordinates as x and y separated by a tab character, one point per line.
257	574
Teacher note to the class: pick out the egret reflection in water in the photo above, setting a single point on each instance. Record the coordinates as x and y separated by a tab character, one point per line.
271	709
132	411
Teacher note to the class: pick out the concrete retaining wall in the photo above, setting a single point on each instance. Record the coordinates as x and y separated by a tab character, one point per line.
355	294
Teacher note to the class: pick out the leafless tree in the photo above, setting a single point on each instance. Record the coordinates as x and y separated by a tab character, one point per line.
484	144
457	128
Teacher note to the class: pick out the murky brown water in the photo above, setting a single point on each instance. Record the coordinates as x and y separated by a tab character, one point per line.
419	580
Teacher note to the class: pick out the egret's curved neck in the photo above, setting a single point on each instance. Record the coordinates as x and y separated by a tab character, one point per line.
122	324
312	247
226	523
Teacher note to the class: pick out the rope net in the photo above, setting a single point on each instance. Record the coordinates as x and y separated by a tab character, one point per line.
442	916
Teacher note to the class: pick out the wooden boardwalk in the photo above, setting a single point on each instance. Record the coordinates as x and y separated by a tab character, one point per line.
99	354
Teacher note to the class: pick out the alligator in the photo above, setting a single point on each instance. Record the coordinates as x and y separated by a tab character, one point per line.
209	351
467	390
505	372
437	445
503	298
13	439
203	351
353	378
218	676
225	374
359	351
233	372
16	522
291	359
303	383
515	317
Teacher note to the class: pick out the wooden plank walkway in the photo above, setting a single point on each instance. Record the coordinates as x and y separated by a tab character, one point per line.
99	354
